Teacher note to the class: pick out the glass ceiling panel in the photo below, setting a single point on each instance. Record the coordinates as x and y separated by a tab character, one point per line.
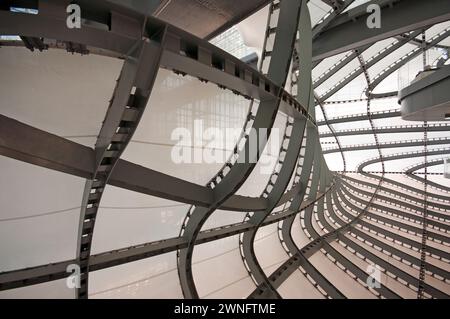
390	59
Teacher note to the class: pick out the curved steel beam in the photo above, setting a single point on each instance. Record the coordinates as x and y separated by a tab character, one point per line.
264	119
291	154
394	144
126	108
361	117
389	129
393	236
395	193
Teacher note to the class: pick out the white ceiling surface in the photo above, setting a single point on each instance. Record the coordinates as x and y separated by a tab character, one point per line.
39	216
72	100
56	289
155	277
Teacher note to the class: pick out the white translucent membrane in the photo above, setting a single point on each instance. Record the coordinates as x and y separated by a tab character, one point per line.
384	104
56	289
338	278
268	249
394	284
65	104
375	48
438	284
316	226
323	128
408	72
384	63
392	121
39	216
338	76
353	140
319	115
249	28
184	103
419	185
436	29
387	85
445	42
439	134
222	218
334	161
317	9
354	158
401	165
396	137
127	218
351	124
257	181
297	286
219	271
385	280
439	179
326	64
344	109
408	149
355	3
327	141
353	90
154	277
298	235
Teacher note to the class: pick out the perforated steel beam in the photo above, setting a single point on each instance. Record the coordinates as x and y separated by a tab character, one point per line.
389	129
437	141
127	106
361	117
398	194
290	158
264	119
